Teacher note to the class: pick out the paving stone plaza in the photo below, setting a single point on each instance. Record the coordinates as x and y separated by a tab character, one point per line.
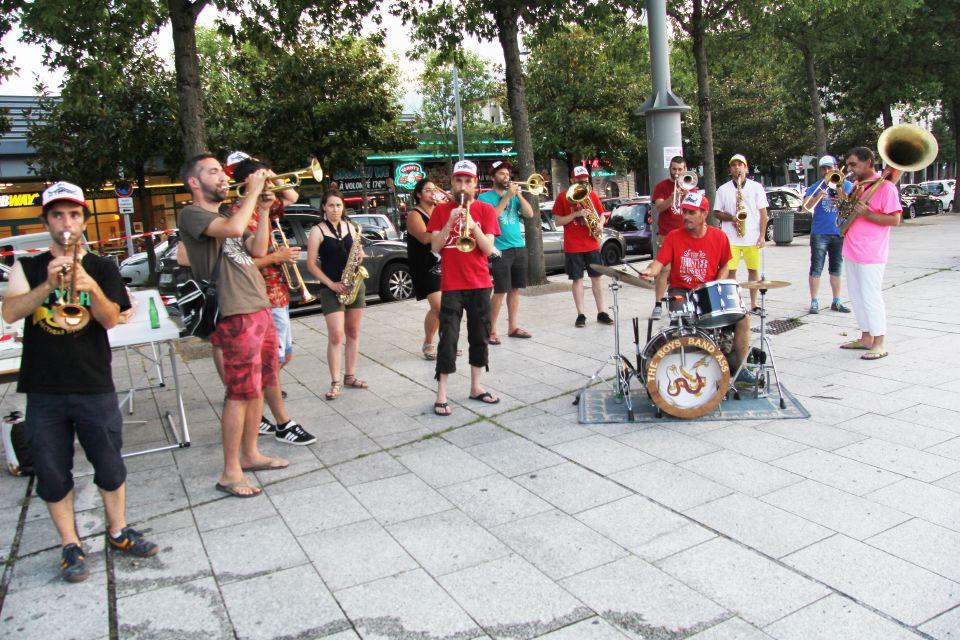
516	521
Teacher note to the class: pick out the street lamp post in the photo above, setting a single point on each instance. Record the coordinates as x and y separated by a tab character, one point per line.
459	113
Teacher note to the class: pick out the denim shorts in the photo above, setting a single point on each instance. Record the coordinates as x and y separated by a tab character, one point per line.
281	321
822	245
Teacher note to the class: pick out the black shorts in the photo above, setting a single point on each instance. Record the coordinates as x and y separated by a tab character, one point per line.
52	421
509	271
476	303
576	263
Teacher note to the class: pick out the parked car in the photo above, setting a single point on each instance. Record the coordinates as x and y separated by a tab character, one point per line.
377	221
795	187
135	270
943	190
782	200
632	220
612	245
917	201
385	260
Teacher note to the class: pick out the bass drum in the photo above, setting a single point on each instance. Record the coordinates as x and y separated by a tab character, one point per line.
685	372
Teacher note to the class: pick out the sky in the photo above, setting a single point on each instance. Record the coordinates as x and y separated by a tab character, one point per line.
29	58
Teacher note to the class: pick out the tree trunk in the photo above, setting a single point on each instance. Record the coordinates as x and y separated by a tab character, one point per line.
507	32
887	116
815	111
146	215
183	18
698	35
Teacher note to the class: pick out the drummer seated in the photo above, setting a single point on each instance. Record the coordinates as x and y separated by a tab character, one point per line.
698	253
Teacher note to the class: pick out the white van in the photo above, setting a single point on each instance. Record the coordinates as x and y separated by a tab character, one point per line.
19	243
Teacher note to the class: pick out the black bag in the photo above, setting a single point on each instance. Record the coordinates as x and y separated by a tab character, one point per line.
197	301
15	446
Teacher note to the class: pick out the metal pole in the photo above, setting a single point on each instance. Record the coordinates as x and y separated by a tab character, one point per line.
456	100
663	109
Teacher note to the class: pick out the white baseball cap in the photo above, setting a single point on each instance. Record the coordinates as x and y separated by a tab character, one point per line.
827	161
695	200
465	168
233	160
581	171
63	191
738	156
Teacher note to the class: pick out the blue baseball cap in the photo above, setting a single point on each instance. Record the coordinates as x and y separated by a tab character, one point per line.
827	161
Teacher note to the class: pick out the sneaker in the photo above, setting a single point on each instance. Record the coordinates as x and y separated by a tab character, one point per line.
814	306
73	564
838	306
293	433
132	541
745	379
267	427
657	311
581	321
603	318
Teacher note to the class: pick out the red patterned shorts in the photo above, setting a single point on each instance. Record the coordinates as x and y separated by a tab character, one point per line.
249	345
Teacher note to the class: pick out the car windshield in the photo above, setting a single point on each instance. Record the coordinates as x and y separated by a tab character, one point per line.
629	217
935	189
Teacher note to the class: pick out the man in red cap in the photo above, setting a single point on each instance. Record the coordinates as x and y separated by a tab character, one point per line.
465	281
698	253
580	248
65	372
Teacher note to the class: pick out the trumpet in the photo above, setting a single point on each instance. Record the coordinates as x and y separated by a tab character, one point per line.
535	185
579	193
465	243
291	274
284	181
69	314
832	181
685	182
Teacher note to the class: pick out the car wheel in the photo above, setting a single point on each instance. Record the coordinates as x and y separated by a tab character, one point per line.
769	232
939	208
912	211
396	282
950	207
610	254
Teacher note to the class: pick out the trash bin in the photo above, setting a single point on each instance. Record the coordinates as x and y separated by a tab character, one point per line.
783	228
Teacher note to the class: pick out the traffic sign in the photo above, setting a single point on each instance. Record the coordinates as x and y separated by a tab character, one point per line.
123	188
125	205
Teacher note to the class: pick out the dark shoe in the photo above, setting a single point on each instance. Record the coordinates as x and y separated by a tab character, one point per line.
581	321
73	564
132	541
293	433
267	427
837	306
657	312
745	379
283	394
603	318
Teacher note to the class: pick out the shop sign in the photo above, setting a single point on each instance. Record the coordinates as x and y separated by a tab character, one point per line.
409	174
18	199
352	182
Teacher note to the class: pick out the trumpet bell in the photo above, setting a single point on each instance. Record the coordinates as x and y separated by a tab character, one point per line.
688	180
907	147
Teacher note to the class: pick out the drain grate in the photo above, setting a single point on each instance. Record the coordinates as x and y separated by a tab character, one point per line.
775	327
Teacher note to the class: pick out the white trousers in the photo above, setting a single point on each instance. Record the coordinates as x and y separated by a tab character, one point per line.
865	287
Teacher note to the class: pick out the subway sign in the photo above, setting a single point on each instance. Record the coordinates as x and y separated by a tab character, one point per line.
18	199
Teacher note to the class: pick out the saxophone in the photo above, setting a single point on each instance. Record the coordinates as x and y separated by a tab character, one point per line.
353	272
740	217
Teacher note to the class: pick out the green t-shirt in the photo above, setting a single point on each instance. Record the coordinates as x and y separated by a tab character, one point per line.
510	224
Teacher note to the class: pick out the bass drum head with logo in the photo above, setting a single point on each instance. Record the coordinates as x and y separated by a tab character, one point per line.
717	304
687	376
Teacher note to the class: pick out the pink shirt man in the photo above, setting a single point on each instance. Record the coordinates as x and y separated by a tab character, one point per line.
869	243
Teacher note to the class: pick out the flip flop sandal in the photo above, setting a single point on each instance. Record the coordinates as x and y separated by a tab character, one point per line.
854	345
519	333
873	355
486	397
493	340
269	466
335	387
437	406
354	382
429	352
231	489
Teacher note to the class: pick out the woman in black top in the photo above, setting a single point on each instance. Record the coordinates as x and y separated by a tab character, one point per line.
328	247
424	264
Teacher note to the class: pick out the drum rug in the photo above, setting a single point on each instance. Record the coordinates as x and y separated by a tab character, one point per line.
598	405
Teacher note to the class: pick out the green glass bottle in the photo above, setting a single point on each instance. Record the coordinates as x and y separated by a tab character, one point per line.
154	315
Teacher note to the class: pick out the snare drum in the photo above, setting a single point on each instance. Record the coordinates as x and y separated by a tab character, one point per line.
717	304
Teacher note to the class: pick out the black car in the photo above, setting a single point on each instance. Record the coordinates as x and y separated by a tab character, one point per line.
632	220
917	201
385	260
782	200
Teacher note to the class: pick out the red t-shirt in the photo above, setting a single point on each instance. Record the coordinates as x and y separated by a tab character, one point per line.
576	234
694	261
671	218
277	291
460	271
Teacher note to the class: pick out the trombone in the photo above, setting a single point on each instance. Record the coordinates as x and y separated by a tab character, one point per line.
832	181
535	185
685	182
284	181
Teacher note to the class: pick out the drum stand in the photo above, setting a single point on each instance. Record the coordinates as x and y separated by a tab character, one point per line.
764	369
622	366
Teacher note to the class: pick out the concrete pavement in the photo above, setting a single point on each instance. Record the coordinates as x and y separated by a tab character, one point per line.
515	521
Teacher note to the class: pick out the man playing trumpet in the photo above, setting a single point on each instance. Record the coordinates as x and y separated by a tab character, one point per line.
825	238
667	196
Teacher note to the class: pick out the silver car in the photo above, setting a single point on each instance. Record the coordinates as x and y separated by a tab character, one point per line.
135	270
612	245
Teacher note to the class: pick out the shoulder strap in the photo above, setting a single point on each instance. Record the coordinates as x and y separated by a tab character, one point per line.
214	275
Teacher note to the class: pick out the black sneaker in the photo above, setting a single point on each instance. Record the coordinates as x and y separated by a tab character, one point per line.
267	427
838	306
657	311
603	318
581	321
73	564
293	433
132	541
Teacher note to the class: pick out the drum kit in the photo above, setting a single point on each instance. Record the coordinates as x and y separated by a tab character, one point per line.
683	367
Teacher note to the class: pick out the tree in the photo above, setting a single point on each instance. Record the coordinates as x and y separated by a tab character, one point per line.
99	131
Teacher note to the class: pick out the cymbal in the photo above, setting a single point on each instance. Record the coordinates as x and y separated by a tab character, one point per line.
622	276
765	284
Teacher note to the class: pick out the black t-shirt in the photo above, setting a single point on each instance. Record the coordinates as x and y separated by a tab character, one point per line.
55	361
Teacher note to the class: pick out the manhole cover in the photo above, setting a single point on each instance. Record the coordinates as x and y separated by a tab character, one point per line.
779	326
